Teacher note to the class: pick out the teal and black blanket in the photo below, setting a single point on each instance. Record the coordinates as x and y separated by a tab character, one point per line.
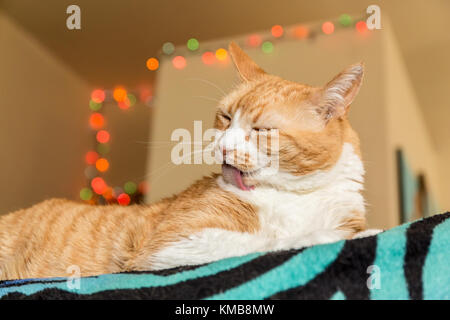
411	261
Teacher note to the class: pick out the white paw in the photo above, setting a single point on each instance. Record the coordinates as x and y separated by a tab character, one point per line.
367	233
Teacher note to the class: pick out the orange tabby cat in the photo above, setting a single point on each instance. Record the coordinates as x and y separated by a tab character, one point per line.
314	196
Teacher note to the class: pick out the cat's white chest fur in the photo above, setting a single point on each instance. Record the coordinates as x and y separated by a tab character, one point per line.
309	211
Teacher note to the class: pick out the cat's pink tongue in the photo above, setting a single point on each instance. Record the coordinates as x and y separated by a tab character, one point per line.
234	176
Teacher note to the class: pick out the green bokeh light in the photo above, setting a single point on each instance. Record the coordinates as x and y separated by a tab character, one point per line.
345	20
168	48
130	187
132	99
193	44
267	47
86	194
94	105
103	148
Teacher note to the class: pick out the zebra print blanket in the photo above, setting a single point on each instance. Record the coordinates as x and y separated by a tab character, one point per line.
411	261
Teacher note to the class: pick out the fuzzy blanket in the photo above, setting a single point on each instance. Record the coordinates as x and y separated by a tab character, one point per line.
411	261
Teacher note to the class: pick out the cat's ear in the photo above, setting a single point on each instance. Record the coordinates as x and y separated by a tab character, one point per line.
339	93
247	68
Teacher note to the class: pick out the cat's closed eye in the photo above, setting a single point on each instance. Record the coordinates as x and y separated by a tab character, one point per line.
225	116
258	129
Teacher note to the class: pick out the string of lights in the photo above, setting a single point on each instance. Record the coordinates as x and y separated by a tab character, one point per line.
98	190
266	42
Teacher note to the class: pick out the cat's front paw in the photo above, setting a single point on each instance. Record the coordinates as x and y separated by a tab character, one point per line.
312	239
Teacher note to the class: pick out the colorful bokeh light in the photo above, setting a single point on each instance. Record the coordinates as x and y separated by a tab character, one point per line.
98	96
86	194
300	32
345	20
221	54
328	27
208	58
123	199
145	94
102	165
254	40
131	99
117	191
143	187
130	187
91	157
361	27
103	136
277	31
267	47
108	193
95	106
103	148
119	94
179	62
152	64
98	185
193	44
90	172
168	48
96	121
124	105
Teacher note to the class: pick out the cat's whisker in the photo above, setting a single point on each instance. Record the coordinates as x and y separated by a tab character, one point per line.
210	83
207	98
169	147
173	142
155	142
151	146
169	163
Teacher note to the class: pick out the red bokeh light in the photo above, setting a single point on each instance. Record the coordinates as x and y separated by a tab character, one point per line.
328	27
145	94
179	62
103	136
91	157
98	185
123	199
208	57
254	40
361	27
98	96
277	31
96	121
124	105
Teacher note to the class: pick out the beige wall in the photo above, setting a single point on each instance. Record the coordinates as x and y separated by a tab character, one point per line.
407	129
43	122
378	113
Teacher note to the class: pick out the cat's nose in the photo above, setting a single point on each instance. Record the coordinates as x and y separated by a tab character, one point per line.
224	152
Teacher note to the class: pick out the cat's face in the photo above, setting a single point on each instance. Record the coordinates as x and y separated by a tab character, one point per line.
271	129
